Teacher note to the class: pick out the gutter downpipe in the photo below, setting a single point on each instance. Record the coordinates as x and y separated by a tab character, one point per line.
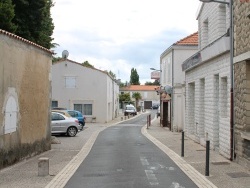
172	95
232	83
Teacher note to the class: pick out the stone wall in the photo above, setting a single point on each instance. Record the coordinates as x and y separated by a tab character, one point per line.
24	99
242	81
242	111
241	27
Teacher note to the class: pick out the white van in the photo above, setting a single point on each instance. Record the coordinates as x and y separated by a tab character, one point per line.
130	110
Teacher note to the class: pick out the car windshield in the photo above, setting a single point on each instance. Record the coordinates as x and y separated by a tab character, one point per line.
129	108
62	112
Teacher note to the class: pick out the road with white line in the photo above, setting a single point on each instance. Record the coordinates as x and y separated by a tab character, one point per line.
122	157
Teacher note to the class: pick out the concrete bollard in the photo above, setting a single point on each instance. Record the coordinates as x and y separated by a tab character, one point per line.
43	166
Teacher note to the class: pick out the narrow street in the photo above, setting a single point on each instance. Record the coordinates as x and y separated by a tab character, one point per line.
123	157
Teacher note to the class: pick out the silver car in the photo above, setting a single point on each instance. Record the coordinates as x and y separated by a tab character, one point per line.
63	124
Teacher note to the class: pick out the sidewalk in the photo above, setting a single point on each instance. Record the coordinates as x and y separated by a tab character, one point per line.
24	174
223	173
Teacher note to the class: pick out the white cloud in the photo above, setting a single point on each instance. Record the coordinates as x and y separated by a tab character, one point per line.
118	35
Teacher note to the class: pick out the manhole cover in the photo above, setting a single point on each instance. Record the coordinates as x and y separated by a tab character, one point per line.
238	174
221	163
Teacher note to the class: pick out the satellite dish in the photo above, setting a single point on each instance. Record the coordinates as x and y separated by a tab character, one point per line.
65	54
168	89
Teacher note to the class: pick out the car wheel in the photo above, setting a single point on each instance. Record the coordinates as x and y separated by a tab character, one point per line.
82	125
72	131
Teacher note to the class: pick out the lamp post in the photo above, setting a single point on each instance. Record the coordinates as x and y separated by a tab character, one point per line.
230	4
160	87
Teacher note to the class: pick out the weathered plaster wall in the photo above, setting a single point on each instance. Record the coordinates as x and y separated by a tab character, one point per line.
24	74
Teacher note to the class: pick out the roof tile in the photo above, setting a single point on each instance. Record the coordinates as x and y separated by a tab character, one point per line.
189	40
139	88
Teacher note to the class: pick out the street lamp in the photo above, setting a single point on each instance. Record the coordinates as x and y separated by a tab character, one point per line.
230	4
159	87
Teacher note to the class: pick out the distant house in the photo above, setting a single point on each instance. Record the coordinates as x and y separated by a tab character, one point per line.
148	93
91	91
173	109
24	99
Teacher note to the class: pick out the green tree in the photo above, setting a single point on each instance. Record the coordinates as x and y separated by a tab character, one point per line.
156	82
112	74
34	22
134	77
124	97
122	85
7	14
55	59
87	64
137	96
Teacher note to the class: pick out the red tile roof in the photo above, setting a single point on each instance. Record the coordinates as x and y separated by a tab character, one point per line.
189	40
139	88
24	40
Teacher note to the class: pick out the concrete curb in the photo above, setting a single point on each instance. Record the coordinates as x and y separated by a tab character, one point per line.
61	179
200	180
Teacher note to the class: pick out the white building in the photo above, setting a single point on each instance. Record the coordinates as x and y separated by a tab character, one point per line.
148	94
93	92
173	111
208	80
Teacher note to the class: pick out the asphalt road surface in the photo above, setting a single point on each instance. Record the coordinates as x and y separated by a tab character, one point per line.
123	158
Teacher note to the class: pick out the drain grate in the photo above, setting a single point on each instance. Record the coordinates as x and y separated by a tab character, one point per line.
238	174
221	163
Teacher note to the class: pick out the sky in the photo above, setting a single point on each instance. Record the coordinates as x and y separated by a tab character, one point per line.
118	35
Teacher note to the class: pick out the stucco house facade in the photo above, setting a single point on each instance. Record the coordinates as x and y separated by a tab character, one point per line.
173	111
25	92
242	82
208	81
91	91
148	94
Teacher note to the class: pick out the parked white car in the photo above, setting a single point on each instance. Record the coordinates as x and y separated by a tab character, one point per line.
130	110
61	124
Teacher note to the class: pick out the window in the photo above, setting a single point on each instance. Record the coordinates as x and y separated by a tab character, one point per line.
54	104
85	109
70	82
223	97
222	20
169	71
204	33
73	113
56	117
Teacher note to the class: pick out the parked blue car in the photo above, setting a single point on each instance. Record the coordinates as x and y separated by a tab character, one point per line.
73	113
78	115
